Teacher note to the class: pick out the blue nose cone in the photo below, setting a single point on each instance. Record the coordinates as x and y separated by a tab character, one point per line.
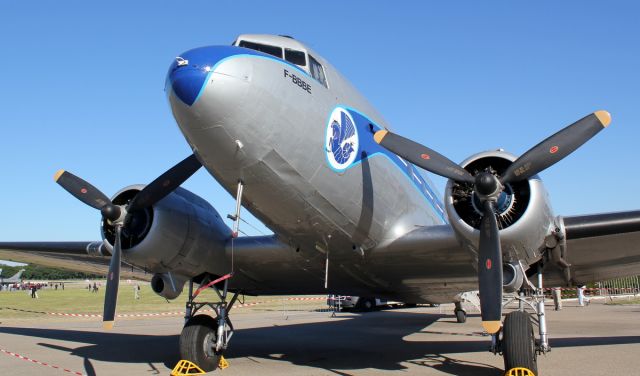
187	83
187	76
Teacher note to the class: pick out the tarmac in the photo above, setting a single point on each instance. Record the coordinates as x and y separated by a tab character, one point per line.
594	340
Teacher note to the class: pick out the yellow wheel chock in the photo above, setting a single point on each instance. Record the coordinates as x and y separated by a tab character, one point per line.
185	367
222	363
519	371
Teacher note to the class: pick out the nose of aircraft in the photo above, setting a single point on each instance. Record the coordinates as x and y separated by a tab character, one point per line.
188	74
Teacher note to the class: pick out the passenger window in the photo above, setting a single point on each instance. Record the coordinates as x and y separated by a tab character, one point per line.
295	57
317	71
271	50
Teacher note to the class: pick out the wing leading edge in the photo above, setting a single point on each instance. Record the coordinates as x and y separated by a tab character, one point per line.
602	246
75	256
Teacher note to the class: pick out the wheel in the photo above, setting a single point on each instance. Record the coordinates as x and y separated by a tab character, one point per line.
518	342
366	304
410	305
197	340
461	316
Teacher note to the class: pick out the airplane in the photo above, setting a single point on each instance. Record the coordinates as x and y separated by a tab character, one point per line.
13	279
352	210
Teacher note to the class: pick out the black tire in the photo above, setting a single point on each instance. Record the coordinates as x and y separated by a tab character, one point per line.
518	342
198	331
410	305
366	304
461	316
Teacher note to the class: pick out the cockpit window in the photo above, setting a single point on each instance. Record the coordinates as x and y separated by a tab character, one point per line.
295	57
271	50
317	71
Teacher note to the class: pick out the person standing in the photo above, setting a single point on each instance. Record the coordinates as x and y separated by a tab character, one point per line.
581	299
136	292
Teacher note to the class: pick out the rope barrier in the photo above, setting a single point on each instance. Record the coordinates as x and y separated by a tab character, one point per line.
40	363
201	288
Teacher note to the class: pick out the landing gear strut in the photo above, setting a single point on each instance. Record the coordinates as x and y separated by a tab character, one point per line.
517	342
204	338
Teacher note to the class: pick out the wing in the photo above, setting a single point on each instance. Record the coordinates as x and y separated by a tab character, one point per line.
75	256
602	246
426	265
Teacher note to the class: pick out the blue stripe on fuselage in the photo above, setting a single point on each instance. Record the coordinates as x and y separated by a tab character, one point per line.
370	148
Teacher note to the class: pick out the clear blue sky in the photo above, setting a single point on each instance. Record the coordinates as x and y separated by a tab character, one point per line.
82	89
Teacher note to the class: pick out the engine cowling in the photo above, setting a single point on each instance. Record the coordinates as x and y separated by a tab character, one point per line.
523	210
181	234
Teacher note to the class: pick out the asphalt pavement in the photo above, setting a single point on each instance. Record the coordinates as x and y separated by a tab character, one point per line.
595	340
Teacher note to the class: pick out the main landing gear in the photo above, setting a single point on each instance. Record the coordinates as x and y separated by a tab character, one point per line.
516	341
204	339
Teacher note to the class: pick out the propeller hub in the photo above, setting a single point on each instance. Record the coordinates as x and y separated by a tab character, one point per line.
111	212
487	184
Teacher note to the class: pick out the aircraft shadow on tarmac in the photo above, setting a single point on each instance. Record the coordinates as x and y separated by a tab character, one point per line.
374	340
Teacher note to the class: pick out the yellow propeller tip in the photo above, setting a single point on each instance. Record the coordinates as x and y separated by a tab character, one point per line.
108	325
379	135
604	117
491	327
58	174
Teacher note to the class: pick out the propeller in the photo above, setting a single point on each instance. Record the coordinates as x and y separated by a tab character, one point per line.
118	215
422	156
113	282
488	187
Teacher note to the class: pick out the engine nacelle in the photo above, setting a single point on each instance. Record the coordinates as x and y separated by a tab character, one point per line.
181	234
523	210
168	285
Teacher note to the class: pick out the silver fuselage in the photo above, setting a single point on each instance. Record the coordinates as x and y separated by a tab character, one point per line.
251	122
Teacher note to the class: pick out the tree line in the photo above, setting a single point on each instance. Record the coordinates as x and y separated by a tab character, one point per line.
38	272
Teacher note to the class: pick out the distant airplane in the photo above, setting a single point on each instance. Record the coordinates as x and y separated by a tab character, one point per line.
297	145
13	279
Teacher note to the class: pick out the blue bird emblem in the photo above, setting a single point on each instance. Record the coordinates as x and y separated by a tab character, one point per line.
341	142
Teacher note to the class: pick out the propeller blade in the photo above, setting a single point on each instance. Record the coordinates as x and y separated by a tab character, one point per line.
81	189
556	147
490	270
422	156
113	281
165	183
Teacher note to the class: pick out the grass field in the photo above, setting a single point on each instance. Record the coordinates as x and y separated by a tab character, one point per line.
77	299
